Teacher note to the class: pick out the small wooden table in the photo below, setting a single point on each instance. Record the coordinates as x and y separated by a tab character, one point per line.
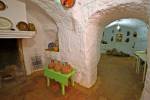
59	77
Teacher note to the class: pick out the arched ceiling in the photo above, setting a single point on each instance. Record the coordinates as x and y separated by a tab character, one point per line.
37	12
131	23
130	10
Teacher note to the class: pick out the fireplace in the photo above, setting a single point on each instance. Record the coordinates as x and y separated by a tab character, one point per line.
12	69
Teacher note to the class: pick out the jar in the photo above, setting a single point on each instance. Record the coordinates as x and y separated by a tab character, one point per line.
51	65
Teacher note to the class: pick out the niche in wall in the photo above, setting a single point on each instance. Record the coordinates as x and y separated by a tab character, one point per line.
127	40
135	34
47	27
128	33
112	38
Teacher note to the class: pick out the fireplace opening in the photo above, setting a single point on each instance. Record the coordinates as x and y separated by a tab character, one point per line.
11	62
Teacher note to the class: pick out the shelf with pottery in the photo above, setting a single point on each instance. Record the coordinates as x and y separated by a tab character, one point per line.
54	49
22	30
51	54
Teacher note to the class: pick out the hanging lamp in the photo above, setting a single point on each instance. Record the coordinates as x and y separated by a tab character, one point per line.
118	26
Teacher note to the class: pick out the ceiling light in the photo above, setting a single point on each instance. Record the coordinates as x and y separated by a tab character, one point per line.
118	27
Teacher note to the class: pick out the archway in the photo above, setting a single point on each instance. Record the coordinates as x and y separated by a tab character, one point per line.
96	24
118	63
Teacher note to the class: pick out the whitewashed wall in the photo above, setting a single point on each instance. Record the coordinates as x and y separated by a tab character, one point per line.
126	47
79	36
46	29
13	13
46	33
79	29
102	17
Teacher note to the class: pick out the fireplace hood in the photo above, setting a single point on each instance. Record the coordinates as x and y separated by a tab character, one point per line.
16	34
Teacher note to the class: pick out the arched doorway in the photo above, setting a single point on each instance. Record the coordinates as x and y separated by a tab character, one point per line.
96	24
117	66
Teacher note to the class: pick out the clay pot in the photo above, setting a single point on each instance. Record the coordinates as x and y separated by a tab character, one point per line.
56	49
22	26
51	65
2	6
66	69
31	27
58	66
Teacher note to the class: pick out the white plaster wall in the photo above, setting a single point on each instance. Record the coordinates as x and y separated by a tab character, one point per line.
16	11
78	44
79	32
140	41
106	16
70	41
103	19
81	47
33	46
46	33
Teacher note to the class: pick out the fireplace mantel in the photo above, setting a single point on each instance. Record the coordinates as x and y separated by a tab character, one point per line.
17	34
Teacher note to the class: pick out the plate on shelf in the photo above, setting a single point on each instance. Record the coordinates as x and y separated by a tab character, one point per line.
5	23
2	6
51	45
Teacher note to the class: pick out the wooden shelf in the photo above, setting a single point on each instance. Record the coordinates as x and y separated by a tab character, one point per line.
51	50
16	34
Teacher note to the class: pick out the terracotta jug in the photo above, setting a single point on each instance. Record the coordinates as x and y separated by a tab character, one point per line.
66	69
58	66
51	65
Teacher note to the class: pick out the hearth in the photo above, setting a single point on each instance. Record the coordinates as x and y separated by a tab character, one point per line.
12	70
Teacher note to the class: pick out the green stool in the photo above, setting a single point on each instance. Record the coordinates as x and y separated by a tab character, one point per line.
59	77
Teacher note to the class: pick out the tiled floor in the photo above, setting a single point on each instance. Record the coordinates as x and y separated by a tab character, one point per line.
117	80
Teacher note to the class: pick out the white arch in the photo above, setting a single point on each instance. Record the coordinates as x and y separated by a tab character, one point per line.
95	26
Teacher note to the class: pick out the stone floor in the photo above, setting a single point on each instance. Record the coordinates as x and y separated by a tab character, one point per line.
117	80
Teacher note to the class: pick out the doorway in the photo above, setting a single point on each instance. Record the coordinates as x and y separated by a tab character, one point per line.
117	67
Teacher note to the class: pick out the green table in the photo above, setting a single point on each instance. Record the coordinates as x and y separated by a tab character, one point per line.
59	77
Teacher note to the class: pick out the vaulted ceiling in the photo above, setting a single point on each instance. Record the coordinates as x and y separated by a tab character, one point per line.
131	23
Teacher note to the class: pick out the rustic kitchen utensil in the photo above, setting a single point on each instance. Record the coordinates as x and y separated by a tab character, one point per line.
31	27
22	26
67	3
2	6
